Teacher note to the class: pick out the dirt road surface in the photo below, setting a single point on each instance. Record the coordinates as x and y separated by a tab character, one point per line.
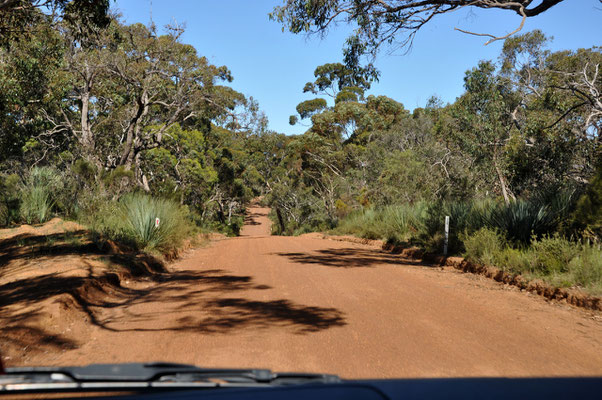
310	304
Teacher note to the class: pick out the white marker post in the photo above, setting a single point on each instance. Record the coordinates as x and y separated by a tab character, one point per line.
446	235
157	221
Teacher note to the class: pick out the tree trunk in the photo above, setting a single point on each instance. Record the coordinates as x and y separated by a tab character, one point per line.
86	139
280	220
140	176
505	191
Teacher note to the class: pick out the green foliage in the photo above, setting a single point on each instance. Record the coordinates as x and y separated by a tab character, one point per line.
85	170
334	77
396	224
554	254
588	212
132	220
484	245
381	23
36	205
586	268
39	193
551	258
464	217
522	219
141	211
518	221
19	18
234	226
354	94
9	199
423	223
309	107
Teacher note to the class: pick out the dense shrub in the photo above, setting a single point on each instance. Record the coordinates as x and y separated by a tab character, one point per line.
38	194
520	220
553	254
551	258
10	201
519	237
464	217
484	246
132	221
587	217
586	268
400	223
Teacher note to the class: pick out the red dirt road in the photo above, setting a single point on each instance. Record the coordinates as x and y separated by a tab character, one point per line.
309	304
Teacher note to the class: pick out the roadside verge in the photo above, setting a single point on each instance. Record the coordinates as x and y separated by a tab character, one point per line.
571	296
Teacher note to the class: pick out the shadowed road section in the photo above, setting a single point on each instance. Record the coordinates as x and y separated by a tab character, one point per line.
309	304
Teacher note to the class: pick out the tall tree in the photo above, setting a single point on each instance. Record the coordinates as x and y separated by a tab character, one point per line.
20	18
127	89
389	21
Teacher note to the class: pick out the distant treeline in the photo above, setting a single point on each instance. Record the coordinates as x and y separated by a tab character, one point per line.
526	129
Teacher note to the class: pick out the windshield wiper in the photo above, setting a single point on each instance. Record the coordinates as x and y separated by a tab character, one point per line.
140	376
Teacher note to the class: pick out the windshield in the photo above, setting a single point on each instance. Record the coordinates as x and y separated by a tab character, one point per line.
351	188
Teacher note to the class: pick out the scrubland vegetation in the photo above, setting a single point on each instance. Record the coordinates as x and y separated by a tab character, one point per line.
533	240
126	125
120	126
514	157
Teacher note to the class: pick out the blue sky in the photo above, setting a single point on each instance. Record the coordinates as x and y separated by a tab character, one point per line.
273	66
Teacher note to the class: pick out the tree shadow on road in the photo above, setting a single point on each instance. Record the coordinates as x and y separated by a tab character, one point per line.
19	332
204	302
348	258
128	292
187	301
27	285
33	248
250	218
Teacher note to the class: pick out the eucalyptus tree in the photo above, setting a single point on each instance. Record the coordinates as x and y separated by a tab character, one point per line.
482	125
558	114
20	19
128	87
338	82
396	22
27	72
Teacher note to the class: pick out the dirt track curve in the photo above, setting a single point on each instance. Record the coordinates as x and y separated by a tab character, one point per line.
309	304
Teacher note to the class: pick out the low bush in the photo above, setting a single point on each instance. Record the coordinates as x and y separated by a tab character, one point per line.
521	220
586	268
484	246
400	223
515	260
131	220
10	202
553	254
38	194
552	258
587	217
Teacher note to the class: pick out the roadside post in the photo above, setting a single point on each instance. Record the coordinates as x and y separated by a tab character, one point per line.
446	235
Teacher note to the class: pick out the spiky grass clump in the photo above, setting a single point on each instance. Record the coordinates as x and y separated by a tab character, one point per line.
131	221
464	217
36	205
140	213
522	220
37	194
398	223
